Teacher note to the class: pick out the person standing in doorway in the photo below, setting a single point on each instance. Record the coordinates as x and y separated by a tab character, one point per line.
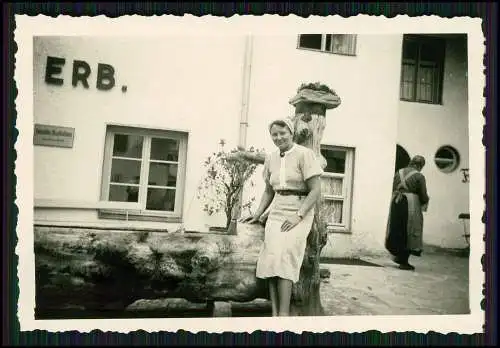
292	178
404	236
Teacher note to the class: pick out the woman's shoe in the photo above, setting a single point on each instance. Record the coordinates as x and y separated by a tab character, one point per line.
407	267
396	260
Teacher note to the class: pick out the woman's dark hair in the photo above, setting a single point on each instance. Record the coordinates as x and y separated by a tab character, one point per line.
417	161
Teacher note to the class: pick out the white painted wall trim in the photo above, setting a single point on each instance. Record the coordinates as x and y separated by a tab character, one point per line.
89	205
148	127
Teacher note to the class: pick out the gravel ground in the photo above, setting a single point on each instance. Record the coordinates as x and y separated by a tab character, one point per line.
439	285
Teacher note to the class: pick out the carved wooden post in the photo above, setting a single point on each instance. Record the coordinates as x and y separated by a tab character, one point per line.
311	103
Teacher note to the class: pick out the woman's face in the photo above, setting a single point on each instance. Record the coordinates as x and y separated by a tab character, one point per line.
282	137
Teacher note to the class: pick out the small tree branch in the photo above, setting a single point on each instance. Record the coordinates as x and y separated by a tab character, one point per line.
252	157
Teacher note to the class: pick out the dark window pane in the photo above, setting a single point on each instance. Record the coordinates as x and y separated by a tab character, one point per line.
160	199
445	153
119	193
164	149
125	171
328	44
126	145
410	49
429	52
335	160
162	174
310	41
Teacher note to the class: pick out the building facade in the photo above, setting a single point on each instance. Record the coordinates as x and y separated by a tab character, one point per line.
124	125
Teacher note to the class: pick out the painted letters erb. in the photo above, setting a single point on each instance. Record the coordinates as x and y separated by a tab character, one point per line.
81	72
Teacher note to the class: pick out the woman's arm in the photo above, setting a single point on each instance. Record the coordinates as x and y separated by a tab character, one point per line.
265	201
422	191
314	186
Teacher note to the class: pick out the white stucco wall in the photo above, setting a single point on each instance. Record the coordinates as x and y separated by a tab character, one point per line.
368	85
179	83
422	129
194	84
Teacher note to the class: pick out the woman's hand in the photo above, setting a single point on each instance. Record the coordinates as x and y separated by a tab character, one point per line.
252	219
290	223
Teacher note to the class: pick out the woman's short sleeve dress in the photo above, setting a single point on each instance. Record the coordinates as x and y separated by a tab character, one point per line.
282	252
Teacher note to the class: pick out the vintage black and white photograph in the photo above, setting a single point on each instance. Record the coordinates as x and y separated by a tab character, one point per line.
250	176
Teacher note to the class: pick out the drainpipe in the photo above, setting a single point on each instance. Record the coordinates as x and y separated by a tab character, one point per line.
247	69
242	140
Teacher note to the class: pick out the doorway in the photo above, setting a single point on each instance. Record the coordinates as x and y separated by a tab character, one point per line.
402	158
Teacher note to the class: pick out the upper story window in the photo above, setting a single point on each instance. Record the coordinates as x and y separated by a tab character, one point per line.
333	43
144	169
422	69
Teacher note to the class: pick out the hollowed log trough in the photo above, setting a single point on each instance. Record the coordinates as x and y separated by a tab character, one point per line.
110	270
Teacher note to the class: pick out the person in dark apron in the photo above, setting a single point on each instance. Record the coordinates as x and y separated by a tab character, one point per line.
404	235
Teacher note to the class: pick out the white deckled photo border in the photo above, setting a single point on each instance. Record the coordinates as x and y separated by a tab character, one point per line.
29	26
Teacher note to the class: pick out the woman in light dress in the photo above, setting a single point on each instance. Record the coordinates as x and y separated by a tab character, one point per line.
291	174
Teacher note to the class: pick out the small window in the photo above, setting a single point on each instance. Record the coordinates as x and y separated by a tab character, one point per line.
145	167
336	183
344	44
447	159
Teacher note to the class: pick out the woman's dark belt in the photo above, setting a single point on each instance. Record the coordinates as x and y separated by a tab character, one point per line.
292	193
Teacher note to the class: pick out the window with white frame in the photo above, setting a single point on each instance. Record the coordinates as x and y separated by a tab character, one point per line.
145	169
332	43
336	187
422	69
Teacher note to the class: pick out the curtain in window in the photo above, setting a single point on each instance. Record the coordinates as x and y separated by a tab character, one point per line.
333	210
333	186
426	82
341	43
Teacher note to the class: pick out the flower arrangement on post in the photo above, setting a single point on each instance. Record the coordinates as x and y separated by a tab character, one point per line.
317	86
222	186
